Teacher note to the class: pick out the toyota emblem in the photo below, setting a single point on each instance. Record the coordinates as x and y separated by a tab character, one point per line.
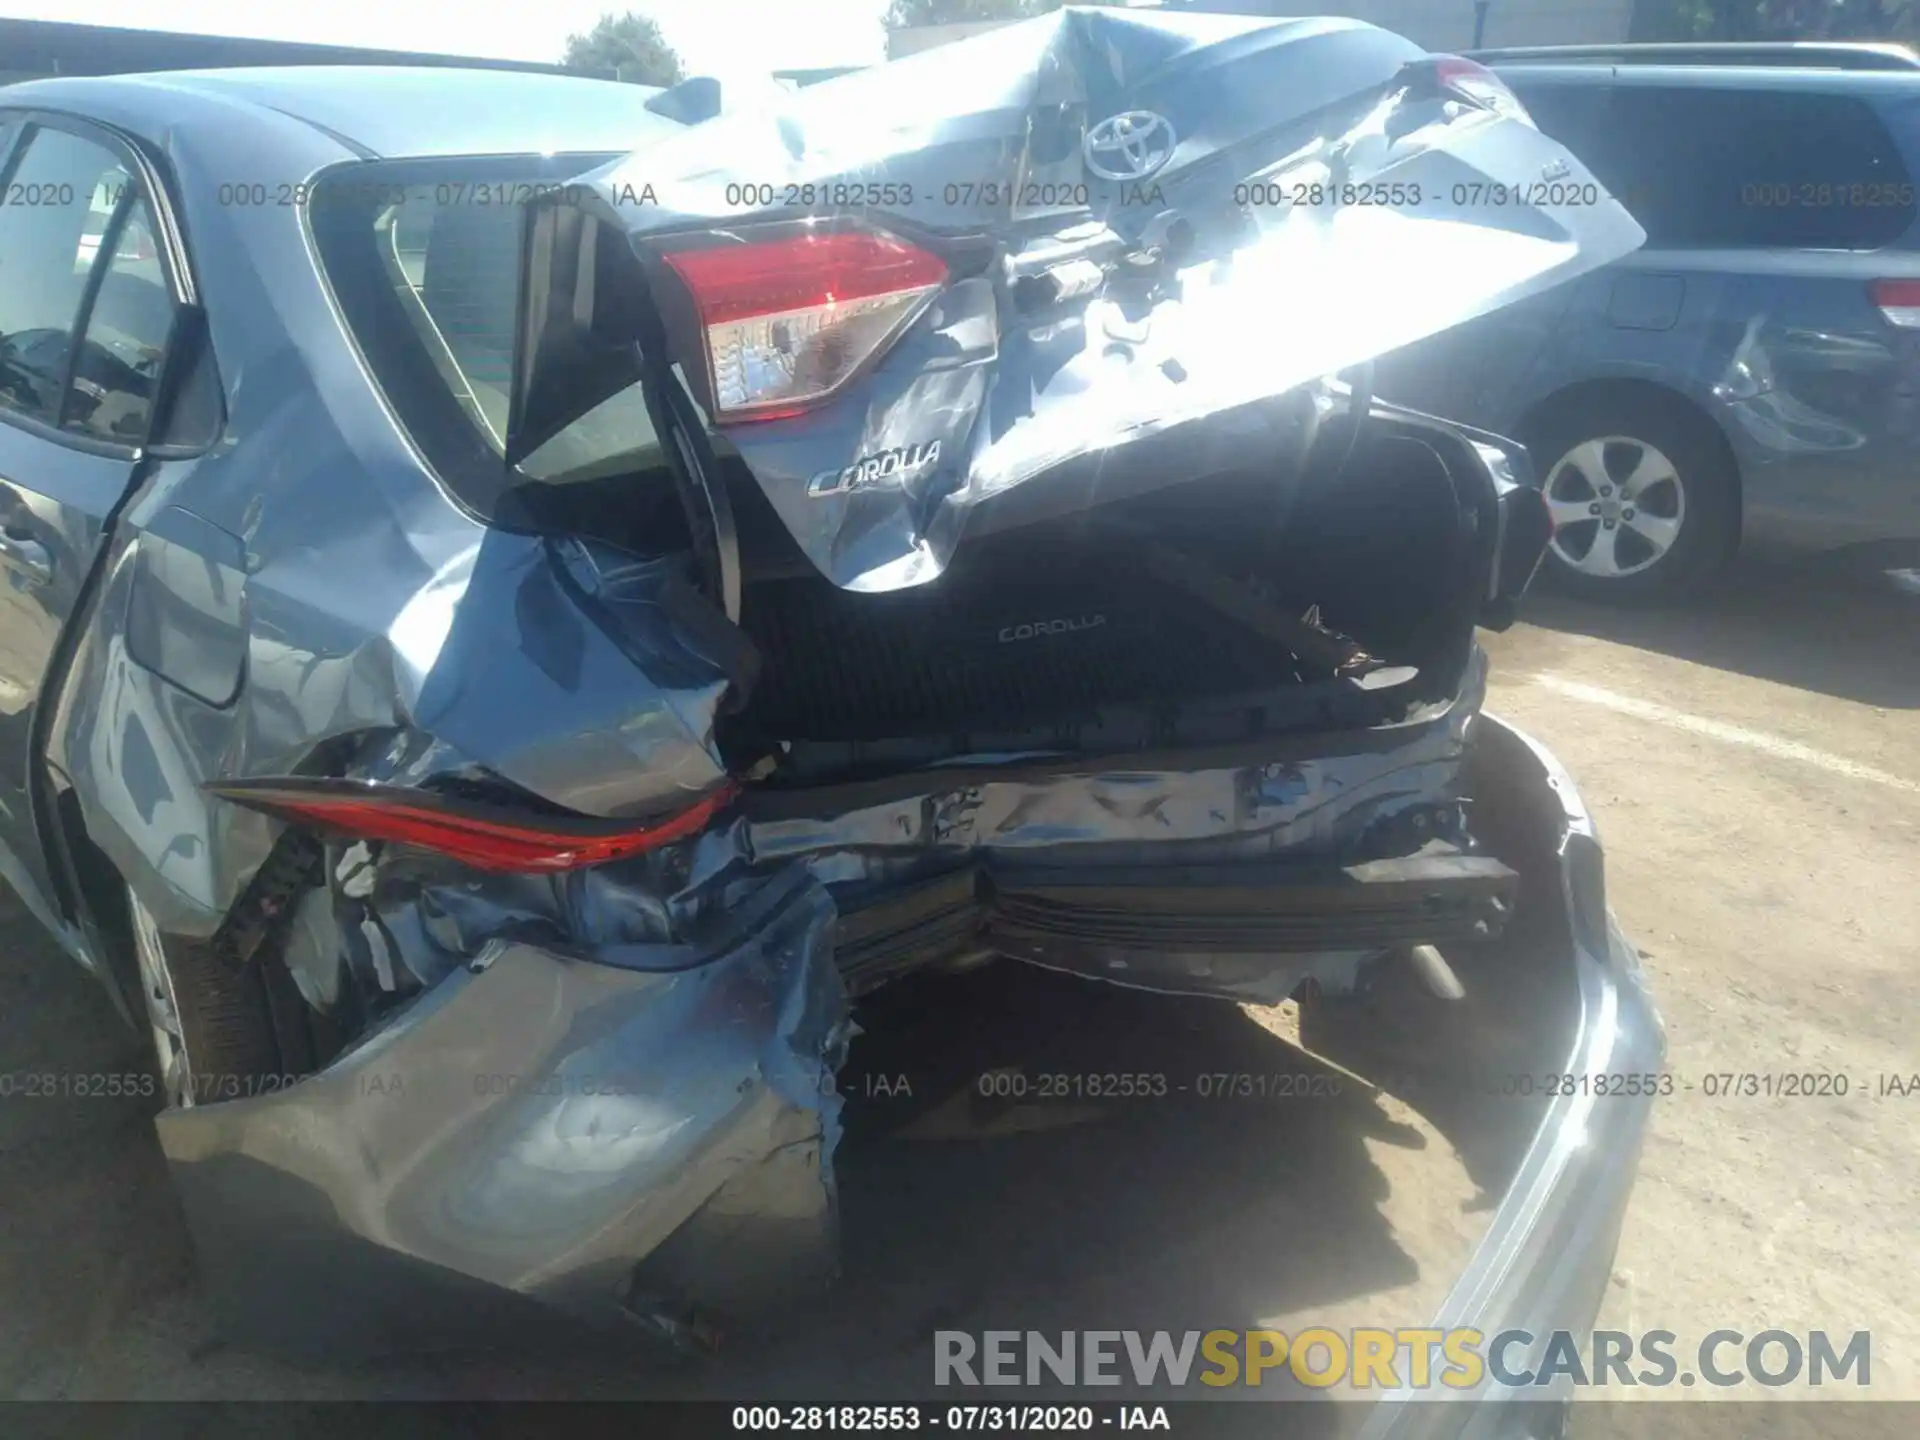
1129	146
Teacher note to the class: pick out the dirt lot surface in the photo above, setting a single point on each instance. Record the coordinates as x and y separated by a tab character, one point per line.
1755	766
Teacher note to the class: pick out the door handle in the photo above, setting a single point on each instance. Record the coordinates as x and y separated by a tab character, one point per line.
26	557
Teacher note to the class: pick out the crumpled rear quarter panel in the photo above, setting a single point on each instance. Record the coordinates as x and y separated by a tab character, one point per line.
537	1123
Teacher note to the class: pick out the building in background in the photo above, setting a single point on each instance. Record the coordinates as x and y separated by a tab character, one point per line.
35	49
1434	24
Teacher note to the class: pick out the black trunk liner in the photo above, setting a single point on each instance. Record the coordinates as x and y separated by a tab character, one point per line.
1046	640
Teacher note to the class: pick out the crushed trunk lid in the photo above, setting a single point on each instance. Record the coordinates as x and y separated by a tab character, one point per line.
1129	245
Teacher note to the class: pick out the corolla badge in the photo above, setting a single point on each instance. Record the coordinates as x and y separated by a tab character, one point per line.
1066	625
1129	146
870	471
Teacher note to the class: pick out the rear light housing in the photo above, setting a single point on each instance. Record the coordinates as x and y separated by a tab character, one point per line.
1899	301
495	839
1474	83
787	320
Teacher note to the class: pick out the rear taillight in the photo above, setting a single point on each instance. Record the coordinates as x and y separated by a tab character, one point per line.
1899	301
486	838
788	321
1477	85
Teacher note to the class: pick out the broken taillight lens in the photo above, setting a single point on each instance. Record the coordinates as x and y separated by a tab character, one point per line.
1477	85
484	837
787	321
1899	301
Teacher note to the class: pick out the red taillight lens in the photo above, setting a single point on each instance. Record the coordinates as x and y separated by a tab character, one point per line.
483	837
1476	84
1899	301
787	321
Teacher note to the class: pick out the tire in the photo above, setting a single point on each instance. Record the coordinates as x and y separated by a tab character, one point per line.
213	1032
1645	498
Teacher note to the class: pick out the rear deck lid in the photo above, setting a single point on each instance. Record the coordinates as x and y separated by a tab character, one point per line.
1093	253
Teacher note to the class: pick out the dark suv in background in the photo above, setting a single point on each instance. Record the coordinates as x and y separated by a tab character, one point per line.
1749	376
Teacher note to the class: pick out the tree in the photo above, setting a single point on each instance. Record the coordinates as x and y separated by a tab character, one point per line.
1776	20
905	14
630	45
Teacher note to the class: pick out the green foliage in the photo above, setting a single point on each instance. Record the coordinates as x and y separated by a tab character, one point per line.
1776	20
904	14
630	45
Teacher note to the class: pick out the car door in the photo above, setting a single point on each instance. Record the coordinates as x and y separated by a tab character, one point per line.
86	307
1776	212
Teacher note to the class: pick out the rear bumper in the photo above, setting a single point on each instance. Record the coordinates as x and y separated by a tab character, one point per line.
1544	1263
655	1144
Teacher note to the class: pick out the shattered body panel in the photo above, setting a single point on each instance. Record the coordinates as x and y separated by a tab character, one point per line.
407	923
614	1090
646	1134
1227	282
611	1088
540	1122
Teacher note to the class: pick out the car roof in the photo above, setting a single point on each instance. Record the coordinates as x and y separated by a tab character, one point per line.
1901	85
1793	54
391	111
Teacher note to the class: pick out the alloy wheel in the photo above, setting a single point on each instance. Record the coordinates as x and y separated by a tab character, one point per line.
1617	503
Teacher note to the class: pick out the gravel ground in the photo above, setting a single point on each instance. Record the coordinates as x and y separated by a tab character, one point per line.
1755	767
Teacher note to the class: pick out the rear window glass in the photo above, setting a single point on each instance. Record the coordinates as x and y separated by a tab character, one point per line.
1711	167
424	259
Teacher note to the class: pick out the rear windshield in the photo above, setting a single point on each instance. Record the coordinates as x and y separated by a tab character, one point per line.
423	257
1714	167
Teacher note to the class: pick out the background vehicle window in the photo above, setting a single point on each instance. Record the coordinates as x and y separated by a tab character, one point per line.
1759	169
55	214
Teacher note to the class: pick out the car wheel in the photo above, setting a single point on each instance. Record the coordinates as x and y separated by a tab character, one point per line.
1644	498
213	1034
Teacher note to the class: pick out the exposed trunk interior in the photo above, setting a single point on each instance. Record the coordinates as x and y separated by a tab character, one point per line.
1210	611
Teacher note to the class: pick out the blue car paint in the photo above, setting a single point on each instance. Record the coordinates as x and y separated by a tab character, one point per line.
312	550
1813	389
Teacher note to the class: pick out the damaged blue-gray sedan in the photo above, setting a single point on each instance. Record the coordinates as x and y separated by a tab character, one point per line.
513	576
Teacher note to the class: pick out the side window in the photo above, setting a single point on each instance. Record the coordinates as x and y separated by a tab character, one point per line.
126	334
1754	169
74	233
